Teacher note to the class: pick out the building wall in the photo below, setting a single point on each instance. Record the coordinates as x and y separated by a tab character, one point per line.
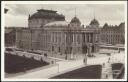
10	36
112	35
23	38
38	22
55	41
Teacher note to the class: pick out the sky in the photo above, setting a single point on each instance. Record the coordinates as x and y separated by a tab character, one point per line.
113	14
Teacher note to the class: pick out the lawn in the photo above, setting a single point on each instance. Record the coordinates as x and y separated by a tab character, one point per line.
88	72
15	64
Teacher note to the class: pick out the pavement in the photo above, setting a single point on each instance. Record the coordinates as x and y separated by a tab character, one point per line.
107	71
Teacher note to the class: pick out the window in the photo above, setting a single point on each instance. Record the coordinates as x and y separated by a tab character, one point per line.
78	38
59	49
87	37
83	37
52	48
56	37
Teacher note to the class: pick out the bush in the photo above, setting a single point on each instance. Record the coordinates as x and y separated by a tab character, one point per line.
88	72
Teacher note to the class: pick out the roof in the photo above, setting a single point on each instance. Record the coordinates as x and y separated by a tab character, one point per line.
105	25
48	14
94	22
75	20
45	10
57	23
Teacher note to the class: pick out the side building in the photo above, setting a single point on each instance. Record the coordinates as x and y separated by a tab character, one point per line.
10	36
113	34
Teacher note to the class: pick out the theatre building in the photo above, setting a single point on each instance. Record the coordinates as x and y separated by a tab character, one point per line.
49	31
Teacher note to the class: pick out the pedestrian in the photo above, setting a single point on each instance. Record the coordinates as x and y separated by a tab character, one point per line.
66	57
42	60
109	60
106	76
103	64
119	51
45	54
52	62
85	61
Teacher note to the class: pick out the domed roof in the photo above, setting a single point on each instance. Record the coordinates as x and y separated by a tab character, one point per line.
57	24
94	22
48	14
105	25
75	20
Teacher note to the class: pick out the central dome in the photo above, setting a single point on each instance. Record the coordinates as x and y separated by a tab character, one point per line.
47	14
75	20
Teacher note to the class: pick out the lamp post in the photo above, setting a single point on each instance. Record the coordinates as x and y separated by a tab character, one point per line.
58	68
85	50
31	39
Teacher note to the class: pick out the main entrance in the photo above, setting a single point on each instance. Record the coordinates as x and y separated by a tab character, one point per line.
84	49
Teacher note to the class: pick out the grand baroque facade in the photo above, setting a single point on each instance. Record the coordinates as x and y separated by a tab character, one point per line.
48	31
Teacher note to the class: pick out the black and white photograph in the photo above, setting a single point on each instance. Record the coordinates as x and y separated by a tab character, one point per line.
64	40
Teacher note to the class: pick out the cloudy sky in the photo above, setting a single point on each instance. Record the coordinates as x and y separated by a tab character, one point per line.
111	13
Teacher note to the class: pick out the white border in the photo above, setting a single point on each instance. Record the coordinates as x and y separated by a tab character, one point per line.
59	2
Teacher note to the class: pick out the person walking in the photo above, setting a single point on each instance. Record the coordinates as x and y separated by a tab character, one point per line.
85	60
119	50
108	59
106	76
103	64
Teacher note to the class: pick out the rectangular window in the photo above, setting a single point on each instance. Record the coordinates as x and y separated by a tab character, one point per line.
78	38
83	37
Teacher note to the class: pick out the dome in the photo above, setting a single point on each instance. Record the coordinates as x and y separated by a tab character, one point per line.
105	25
94	22
48	14
75	20
57	24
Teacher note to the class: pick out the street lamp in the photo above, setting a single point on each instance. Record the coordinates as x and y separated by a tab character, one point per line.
58	68
31	39
85	53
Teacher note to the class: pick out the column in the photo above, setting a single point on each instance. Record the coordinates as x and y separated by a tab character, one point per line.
65	41
89	49
85	38
89	37
73	38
